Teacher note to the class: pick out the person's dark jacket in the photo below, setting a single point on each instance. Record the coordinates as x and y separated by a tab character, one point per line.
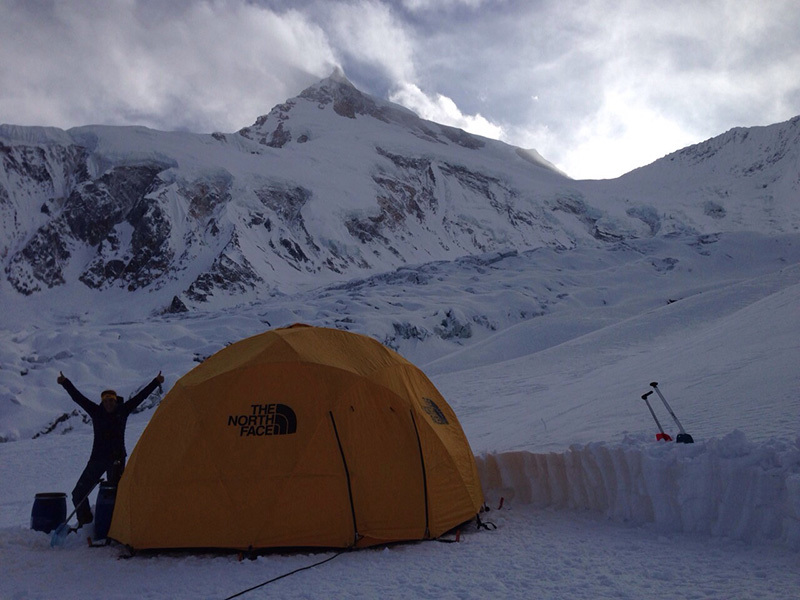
109	427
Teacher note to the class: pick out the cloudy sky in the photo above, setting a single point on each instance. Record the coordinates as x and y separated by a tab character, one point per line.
598	87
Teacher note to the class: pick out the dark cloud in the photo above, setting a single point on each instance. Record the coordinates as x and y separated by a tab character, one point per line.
597	86
570	72
216	65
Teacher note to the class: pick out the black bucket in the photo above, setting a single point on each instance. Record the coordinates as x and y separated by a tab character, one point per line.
49	511
104	509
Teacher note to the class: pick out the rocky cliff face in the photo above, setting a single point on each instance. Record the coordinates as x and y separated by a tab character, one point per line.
330	185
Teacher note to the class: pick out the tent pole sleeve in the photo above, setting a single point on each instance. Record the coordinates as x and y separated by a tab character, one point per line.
424	476
347	475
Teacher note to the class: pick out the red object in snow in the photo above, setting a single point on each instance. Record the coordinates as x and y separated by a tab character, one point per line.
663	436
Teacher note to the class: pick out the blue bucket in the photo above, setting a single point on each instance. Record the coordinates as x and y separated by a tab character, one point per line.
49	511
104	509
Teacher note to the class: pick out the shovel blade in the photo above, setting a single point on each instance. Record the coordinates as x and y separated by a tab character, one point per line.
59	535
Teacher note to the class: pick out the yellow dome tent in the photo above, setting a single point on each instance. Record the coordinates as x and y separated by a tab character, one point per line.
303	436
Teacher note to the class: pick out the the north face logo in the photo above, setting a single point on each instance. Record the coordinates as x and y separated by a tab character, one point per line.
265	419
434	412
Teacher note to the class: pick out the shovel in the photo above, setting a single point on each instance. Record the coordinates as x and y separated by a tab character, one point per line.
60	533
659	436
683	437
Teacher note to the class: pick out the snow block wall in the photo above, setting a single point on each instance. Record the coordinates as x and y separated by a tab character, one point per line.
725	487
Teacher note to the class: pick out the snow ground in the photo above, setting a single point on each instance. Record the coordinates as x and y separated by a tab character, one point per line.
534	553
594	507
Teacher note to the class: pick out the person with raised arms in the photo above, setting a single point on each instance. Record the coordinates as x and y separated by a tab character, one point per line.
109	419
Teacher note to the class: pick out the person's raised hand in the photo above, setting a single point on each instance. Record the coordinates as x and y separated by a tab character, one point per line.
160	378
61	379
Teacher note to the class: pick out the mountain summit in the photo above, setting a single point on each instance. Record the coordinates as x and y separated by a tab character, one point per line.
336	93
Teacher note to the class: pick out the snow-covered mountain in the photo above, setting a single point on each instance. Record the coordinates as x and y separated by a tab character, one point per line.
335	184
745	179
329	185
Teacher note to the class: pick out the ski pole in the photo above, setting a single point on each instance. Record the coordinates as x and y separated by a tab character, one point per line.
659	436
683	437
